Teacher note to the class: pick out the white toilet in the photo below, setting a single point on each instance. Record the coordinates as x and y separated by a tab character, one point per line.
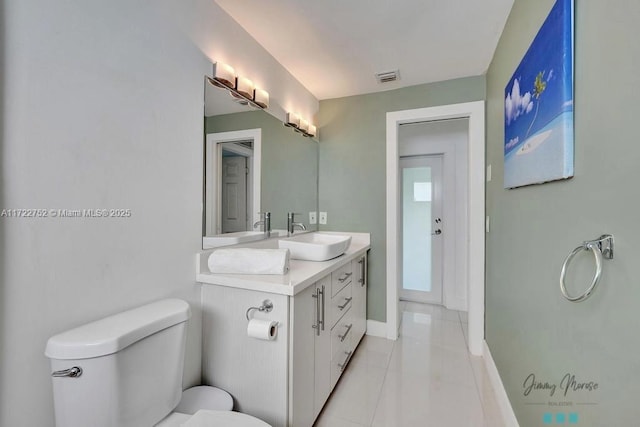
126	371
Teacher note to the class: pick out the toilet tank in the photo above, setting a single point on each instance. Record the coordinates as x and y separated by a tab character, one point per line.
131	363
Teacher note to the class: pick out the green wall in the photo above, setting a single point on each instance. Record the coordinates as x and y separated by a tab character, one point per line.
352	169
289	165
530	327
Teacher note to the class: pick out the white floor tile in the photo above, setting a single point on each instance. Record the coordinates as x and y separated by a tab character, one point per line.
436	362
428	329
414	400
356	394
373	352
425	378
328	421
436	311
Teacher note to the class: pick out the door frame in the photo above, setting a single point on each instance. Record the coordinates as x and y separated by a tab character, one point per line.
213	163
475	112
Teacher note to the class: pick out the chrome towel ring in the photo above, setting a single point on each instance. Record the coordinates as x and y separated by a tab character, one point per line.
601	247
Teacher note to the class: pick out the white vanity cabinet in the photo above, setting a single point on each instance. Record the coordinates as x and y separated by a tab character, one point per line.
322	344
309	380
321	313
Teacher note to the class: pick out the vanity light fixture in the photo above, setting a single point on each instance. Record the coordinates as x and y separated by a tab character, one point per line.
293	120
240	88
312	130
224	75
300	125
244	87
304	126
261	97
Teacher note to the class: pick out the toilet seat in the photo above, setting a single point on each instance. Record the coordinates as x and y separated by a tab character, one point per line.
208	418
211	418
204	397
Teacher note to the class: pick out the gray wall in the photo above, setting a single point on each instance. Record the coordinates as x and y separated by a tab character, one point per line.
117	91
352	164
530	328
289	165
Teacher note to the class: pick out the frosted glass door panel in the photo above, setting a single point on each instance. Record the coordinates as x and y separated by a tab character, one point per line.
421	229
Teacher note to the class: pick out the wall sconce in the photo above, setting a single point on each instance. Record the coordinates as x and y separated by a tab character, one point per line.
224	74
244	86
261	97
241	88
293	120
300	125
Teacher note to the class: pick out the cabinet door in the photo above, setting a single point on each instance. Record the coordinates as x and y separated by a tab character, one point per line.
322	349
359	293
302	413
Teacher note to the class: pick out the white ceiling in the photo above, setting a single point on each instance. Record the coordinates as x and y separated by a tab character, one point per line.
334	47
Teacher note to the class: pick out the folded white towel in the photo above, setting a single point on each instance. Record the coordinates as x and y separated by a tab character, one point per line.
249	261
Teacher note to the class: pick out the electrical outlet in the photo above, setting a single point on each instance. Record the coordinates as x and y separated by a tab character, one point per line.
312	218
323	218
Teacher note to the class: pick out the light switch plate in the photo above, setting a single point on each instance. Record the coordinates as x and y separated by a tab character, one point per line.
489	173
313	218
323	218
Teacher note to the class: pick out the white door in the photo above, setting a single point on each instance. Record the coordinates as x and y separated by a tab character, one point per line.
234	194
422	229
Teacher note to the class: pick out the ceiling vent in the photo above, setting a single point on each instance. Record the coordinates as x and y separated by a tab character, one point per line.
388	76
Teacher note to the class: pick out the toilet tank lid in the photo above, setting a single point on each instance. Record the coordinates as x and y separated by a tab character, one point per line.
114	333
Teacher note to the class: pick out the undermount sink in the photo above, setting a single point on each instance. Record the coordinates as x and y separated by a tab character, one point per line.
315	246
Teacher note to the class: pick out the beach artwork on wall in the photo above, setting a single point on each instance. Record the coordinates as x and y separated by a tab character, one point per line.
538	126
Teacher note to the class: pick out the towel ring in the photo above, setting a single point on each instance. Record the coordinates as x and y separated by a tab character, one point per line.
596	247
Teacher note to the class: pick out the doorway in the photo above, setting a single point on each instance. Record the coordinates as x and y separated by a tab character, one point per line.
475	237
422	244
247	144
235	186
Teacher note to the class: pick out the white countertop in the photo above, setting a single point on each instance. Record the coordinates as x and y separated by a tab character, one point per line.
301	273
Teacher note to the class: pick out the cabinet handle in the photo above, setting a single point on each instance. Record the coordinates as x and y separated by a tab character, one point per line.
316	326
322	321
343	337
346	276
363	272
346	361
346	303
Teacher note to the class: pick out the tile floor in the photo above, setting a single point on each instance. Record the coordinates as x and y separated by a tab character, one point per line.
425	378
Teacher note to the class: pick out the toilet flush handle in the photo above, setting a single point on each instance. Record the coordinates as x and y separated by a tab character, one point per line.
74	372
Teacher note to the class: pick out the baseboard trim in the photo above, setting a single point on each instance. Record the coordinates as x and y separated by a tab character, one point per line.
506	409
376	329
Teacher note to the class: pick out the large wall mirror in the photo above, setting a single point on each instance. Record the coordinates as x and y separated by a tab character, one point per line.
252	164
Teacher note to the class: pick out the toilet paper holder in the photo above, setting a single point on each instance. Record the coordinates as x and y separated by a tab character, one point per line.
266	307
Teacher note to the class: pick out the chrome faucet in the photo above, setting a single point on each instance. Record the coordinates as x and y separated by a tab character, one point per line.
265	222
291	225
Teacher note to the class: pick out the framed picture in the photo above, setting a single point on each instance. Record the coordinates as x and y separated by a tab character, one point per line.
538	123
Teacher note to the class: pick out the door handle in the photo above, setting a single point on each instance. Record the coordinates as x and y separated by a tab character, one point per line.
437	232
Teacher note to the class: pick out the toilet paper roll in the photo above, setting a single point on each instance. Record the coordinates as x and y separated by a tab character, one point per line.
262	329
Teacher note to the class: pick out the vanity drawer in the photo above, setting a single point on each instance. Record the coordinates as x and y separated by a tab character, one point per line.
341	278
339	363
341	336
339	305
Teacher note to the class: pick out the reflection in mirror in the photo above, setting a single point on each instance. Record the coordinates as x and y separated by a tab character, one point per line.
252	164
